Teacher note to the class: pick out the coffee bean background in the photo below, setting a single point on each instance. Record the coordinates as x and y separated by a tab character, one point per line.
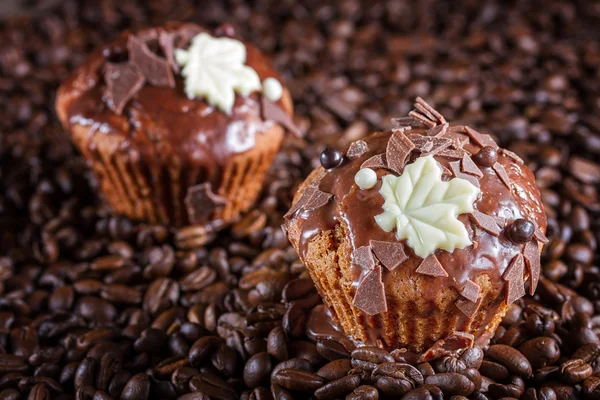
95	306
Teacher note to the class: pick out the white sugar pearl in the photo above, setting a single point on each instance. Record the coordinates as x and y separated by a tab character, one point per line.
272	89
366	178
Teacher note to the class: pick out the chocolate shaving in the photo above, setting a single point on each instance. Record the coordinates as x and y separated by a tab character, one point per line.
467	307
185	34
200	202
273	112
468	166
167	44
407	122
431	266
539	235
303	200
458	142
514	276
501	172
481	139
376	162
455	166
470	291
397	151
512	156
456	154
363	257
155	69
450	345
532	259
357	149
438	130
458	129
390	254
422	118
423	106
318	200
123	81
370	294
429	145
486	222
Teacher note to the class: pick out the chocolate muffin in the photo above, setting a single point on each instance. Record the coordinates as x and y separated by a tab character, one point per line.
179	124
422	235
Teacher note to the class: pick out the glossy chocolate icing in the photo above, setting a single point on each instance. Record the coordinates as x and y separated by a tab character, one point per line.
162	121
355	210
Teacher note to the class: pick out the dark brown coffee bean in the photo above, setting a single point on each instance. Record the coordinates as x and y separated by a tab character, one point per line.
277	344
452	383
399	371
137	388
514	388
541	351
151	341
294	321
39	392
511	359
298	380
494	370
544	393
10	394
213	387
393	387
225	360
202	348
364	392
307	350
84	375
335	369
194	396
372	354
575	370
337	388
257	370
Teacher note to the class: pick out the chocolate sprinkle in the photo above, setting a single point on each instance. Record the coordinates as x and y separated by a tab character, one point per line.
201	202
363	257
376	162
155	69
123	81
398	149
431	266
390	254
482	139
317	200
486	222
514	277
456	154
438	130
470	291
468	166
273	112
513	156
539	235
303	200
370	294
167	44
357	149
468	307
501	172
532	258
455	166
448	346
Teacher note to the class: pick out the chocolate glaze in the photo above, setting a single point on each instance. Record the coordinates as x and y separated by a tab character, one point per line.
162	121
355	209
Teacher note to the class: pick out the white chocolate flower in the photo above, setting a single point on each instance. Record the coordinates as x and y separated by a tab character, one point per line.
214	70
424	209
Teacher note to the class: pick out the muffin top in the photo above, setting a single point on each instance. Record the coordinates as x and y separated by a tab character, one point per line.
441	199
178	90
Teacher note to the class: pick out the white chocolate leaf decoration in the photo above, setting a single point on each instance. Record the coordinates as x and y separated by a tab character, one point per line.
424	209
214	70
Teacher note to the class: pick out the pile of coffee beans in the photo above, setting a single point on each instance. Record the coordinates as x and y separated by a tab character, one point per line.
95	306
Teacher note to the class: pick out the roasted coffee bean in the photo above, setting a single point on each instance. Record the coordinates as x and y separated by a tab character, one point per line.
541	351
337	388
193	396
335	369
575	370
297	380
544	393
425	392
257	370
137	388
332	350
39	392
399	371
294	320
452	383
511	359
84	375
277	344
372	354
213	387
364	392
202	348
10	394
514	388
